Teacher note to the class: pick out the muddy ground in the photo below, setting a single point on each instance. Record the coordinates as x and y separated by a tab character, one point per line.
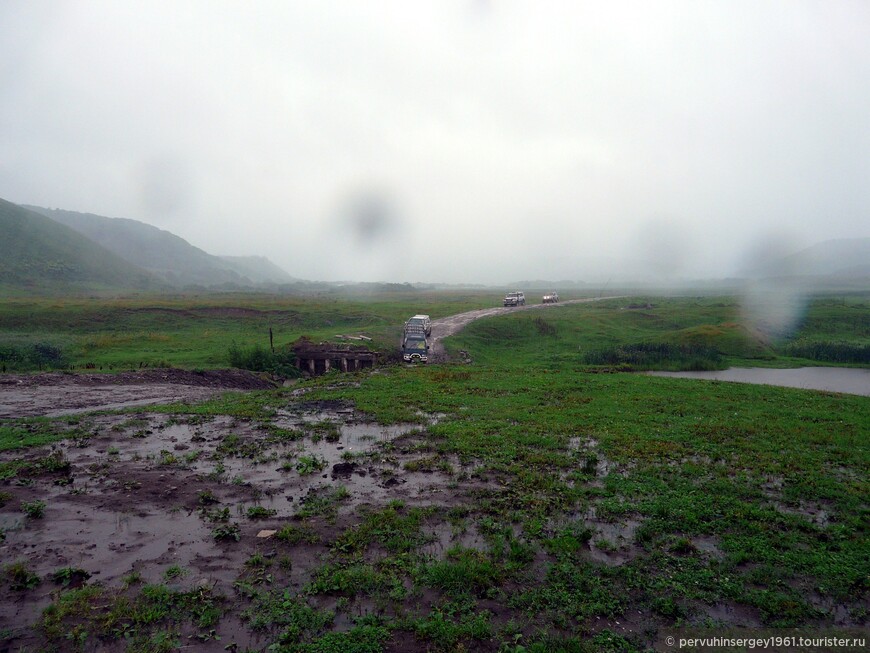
142	496
145	494
58	393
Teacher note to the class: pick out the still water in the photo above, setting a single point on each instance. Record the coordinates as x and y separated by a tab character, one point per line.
849	380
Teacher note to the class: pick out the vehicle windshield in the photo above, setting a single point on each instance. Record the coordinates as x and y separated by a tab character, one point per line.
511	295
415	345
415	320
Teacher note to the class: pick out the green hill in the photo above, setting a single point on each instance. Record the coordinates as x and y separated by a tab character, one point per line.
160	252
37	253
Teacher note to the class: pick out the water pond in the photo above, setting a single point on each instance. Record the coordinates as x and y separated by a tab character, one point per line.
848	380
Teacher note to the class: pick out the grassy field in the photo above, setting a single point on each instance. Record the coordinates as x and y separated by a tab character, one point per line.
640	332
587	509
193	331
668	333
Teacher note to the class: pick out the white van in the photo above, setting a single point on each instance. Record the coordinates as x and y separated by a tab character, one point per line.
420	321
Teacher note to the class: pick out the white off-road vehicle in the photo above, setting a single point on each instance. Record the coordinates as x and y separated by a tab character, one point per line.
420	320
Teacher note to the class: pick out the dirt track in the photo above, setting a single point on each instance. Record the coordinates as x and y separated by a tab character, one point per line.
447	326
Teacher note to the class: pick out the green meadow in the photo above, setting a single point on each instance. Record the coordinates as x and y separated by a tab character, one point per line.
637	332
196	331
606	506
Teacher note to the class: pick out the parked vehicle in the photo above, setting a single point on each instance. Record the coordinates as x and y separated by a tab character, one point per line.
420	320
551	298
515	299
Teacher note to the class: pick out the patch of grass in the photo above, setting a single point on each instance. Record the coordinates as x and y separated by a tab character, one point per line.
225	532
260	512
322	502
464	570
306	465
364	638
20	578
447	627
175	572
287	617
323	429
351	579
215	515
207	497
297	534
394	527
148	619
572	592
30	432
33	509
133	578
70	575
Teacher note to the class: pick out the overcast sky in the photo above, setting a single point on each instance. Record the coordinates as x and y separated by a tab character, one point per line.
464	141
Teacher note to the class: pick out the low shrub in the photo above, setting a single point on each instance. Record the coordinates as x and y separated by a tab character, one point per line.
37	356
262	359
653	355
830	352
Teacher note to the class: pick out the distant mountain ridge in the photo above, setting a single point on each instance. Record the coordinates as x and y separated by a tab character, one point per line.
841	257
258	269
39	253
844	258
165	255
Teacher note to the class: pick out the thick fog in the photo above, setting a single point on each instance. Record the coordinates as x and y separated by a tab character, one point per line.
443	141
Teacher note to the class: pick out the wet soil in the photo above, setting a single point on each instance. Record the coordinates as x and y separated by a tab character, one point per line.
57	393
148	493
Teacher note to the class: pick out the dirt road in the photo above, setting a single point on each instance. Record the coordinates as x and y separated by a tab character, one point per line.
447	326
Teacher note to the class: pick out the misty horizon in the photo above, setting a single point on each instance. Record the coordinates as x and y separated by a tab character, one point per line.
463	142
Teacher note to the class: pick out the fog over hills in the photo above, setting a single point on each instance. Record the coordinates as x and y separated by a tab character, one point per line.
258	269
845	260
39	253
449	142
166	255
840	258
55	248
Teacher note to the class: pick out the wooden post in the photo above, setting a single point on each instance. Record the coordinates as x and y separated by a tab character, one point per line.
326	365
311	366
271	342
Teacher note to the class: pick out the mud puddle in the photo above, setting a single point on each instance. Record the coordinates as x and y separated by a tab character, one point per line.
145	495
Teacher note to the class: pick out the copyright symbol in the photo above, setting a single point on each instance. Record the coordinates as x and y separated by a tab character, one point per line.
669	640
